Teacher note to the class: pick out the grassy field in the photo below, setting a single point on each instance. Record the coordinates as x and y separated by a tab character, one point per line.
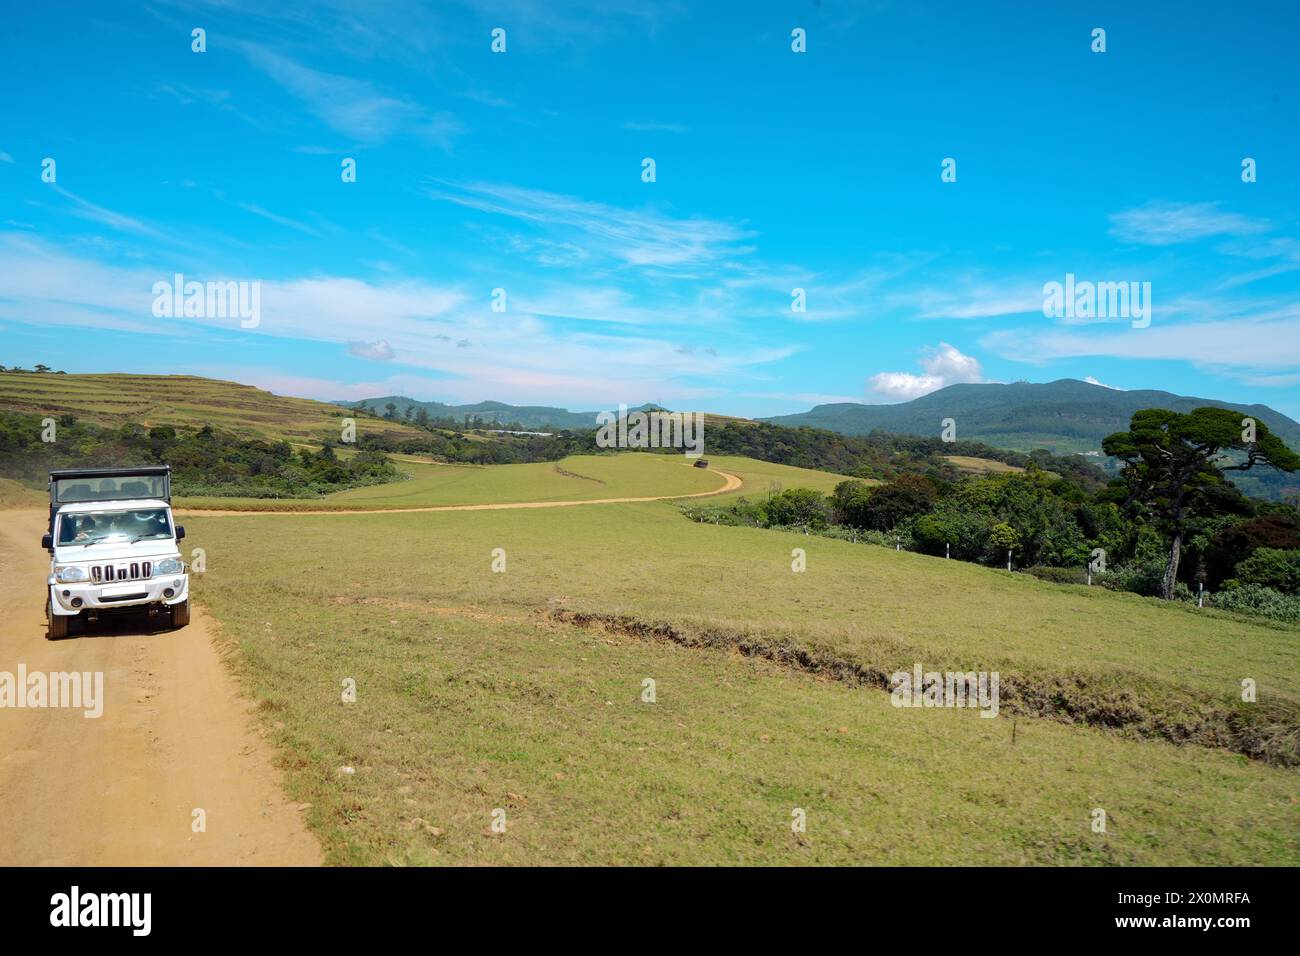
475	692
576	478
763	477
183	400
982	466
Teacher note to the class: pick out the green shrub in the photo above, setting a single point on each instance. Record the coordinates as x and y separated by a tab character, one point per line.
1272	568
1140	576
1256	599
799	507
1060	575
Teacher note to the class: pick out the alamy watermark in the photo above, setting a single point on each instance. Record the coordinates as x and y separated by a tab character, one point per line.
209	300
133	911
651	430
1073	299
76	690
920	688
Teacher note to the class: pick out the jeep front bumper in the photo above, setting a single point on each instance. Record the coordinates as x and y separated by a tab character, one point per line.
68	599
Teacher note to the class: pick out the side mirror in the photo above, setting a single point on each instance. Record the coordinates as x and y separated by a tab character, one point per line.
47	542
180	531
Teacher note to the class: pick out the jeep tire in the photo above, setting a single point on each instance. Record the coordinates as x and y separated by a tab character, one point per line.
59	625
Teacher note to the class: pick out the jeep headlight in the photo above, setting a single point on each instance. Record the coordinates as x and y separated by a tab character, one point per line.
169	566
70	573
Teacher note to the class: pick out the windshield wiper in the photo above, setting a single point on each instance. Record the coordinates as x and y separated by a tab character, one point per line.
151	534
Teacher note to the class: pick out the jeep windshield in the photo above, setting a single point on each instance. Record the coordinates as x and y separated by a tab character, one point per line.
117	527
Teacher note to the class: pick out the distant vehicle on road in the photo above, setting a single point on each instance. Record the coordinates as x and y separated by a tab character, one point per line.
113	547
701	463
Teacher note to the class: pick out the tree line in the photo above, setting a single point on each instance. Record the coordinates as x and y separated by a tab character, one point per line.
1169	524
205	461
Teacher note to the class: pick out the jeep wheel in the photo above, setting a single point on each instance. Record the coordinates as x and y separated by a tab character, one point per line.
59	625
181	614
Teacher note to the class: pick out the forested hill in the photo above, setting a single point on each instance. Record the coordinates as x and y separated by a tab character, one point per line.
1063	416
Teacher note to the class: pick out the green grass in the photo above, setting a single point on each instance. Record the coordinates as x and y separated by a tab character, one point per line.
982	465
764	477
861	601
457	716
472	697
183	400
576	478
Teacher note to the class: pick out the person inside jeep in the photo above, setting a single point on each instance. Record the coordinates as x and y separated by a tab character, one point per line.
77	529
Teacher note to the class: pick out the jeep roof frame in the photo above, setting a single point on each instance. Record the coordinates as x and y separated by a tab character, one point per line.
126	471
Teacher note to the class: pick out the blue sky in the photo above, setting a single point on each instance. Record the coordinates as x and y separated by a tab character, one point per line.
775	170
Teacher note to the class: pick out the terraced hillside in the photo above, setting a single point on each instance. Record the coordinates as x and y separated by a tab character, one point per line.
180	400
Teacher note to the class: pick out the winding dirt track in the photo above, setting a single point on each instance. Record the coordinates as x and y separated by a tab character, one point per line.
175	735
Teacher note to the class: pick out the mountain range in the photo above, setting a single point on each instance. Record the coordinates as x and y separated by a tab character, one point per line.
1063	416
1066	416
532	417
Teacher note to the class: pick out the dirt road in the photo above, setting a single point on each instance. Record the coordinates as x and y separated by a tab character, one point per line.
175	735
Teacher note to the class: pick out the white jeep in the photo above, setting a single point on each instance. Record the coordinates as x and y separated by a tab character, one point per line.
113	547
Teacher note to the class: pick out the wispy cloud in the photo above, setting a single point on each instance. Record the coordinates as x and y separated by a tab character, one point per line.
217	99
1168	223
405	31
805	398
636	238
655	127
436	329
486	98
1244	343
355	108
257	210
970	298
85	209
576	23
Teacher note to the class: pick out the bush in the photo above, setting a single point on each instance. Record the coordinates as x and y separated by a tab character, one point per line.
800	507
743	513
1060	575
1272	568
1145	577
1256	599
889	505
885	539
1237	542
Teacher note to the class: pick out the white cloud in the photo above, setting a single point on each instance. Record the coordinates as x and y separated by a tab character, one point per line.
5	158
376	351
943	366
1168	223
1092	381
